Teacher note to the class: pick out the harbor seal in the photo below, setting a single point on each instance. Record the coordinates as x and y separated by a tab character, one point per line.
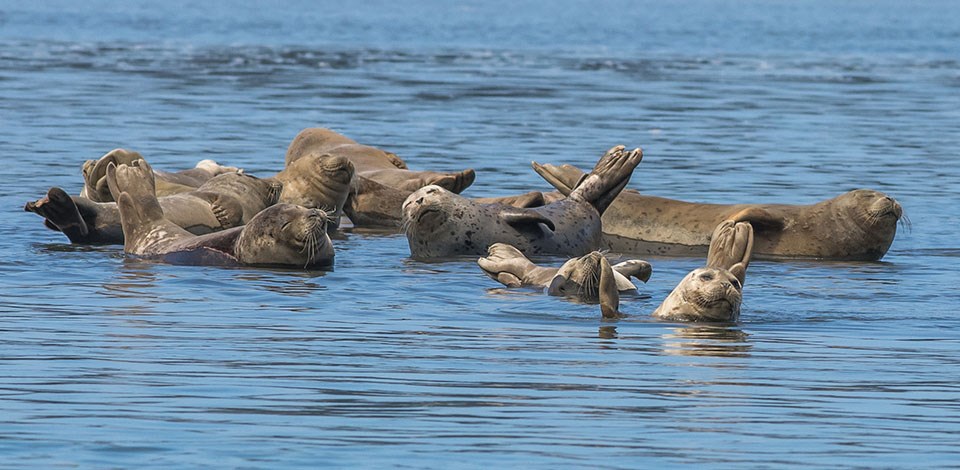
578	277
439	223
281	235
95	171
225	201
319	182
859	225
383	180
713	293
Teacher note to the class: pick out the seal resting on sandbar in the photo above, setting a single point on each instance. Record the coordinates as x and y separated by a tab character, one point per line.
225	201
439	223
579	277
859	225
167	183
281	235
383	180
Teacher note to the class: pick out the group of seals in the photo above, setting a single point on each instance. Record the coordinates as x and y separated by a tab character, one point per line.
219	215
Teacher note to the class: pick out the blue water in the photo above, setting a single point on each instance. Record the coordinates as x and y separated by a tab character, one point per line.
388	362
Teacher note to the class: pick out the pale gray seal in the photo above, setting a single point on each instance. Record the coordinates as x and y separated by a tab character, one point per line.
439	223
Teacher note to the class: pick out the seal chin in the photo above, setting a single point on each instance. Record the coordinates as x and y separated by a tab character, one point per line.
885	208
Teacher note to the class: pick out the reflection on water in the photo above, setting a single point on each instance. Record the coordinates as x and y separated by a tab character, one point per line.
707	340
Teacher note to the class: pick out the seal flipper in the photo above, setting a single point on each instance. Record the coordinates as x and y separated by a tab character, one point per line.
95	173
731	247
370	203
227	209
507	265
760	219
564	177
609	292
525	218
604	183
60	213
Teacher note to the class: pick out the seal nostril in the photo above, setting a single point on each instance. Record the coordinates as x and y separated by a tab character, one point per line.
420	201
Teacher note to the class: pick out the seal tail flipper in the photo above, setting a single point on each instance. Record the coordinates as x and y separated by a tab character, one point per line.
609	293
610	175
505	264
60	213
564	177
731	247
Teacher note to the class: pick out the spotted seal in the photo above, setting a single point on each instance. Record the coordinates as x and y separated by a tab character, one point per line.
439	223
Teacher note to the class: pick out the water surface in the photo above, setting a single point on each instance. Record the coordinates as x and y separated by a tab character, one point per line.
386	361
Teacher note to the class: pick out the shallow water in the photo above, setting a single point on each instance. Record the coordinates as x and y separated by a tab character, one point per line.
385	361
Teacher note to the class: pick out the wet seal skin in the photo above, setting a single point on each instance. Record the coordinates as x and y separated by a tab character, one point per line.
439	223
859	225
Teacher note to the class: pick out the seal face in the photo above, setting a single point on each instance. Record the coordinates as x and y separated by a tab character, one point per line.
286	235
704	295
714	293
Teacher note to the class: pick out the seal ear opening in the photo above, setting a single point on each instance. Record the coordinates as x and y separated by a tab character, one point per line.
522	219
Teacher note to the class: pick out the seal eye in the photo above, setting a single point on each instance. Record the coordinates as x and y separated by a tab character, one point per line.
736	283
706	277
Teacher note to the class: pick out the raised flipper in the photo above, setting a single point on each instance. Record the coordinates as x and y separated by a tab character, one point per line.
564	177
145	229
61	213
609	293
525	218
731	246
610	175
95	173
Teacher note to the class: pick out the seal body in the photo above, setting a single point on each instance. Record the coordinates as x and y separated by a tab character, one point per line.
281	235
318	182
383	180
857	225
440	223
225	201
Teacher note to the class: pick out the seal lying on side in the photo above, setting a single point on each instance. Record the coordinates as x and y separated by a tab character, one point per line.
383	180
578	277
858	225
714	293
95	172
225	201
281	235
439	223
